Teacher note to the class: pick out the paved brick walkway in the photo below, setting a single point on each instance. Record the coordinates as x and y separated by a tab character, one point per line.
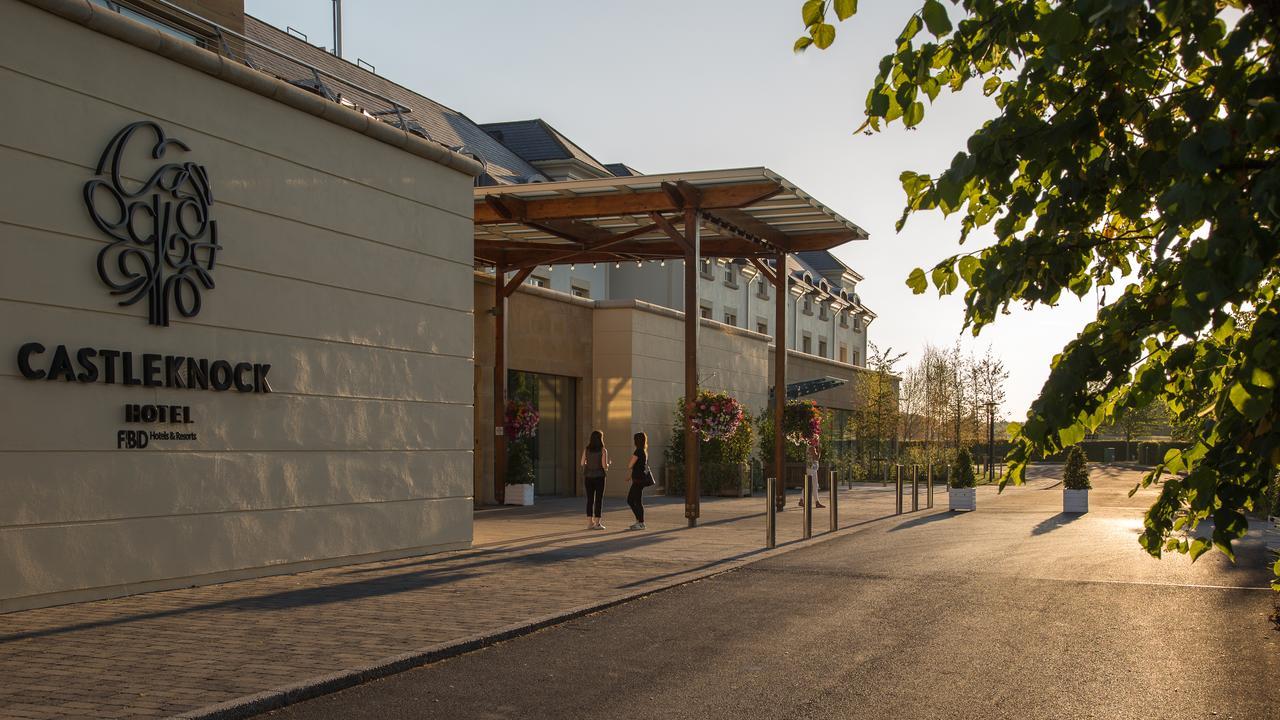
172	652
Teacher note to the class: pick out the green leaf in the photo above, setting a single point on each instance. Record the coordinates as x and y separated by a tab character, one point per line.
913	114
823	35
935	18
811	12
912	27
1262	378
1071	435
846	9
802	43
917	281
1199	547
990	86
1250	403
968	264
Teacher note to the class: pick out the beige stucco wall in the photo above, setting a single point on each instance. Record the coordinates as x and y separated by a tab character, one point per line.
639	375
346	265
802	367
547	332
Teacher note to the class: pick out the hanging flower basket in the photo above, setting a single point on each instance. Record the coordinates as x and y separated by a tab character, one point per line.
802	423
715	416
521	421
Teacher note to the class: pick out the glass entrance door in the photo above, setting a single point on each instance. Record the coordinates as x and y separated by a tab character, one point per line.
555	398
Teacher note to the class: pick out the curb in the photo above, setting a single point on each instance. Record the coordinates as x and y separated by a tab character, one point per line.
249	705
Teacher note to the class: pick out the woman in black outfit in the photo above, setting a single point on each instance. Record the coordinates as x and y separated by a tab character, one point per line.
639	467
595	463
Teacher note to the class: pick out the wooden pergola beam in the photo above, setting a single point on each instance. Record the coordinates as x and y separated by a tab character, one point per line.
671	231
749	227
765	270
636	203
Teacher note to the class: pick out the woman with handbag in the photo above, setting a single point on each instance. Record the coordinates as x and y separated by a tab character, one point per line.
595	462
641	478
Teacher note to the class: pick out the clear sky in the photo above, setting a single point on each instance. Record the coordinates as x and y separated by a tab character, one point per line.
672	85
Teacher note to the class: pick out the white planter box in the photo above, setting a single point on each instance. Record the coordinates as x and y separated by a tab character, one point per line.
519	495
963	498
1075	501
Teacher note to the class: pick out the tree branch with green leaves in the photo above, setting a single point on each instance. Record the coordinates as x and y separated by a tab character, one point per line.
1136	142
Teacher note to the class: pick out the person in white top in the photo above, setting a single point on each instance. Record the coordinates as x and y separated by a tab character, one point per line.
811	476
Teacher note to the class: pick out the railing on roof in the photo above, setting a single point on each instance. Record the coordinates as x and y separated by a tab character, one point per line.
271	61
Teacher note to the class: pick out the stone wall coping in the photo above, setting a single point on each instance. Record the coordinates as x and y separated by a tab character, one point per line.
113	24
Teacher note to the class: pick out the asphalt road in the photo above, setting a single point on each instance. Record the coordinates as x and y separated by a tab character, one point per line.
1014	611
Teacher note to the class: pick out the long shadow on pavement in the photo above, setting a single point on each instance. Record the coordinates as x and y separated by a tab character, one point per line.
917	522
1048	525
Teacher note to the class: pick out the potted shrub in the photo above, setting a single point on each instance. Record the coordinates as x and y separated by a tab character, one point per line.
521	428
962	494
1075	482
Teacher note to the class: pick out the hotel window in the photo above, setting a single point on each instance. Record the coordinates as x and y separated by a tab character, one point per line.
704	266
822	347
855	359
844	353
762	327
844	318
730	318
706	311
806	344
808	305
822	311
857	323
539	281
730	275
762	287
580	291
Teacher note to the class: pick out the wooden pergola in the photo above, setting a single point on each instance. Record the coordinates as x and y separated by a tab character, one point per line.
751	214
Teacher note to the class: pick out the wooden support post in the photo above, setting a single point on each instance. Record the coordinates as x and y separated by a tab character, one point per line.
780	376
692	321
499	383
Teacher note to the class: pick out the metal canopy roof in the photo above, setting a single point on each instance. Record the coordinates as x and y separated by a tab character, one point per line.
744	213
809	387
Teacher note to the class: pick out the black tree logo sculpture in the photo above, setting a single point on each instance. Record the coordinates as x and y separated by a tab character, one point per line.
164	243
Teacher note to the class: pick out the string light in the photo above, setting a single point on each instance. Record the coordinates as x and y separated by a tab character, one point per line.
617	265
662	263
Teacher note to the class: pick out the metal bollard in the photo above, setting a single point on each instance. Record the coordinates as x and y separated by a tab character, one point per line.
771	514
808	507
897	487
915	488
929	488
835	504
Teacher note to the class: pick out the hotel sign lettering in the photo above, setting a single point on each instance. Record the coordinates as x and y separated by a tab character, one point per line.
163	247
145	370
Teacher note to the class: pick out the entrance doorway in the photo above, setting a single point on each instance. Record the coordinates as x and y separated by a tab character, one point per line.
554	448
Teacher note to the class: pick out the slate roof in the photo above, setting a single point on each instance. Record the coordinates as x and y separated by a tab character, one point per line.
535	140
442	124
622	170
823	262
